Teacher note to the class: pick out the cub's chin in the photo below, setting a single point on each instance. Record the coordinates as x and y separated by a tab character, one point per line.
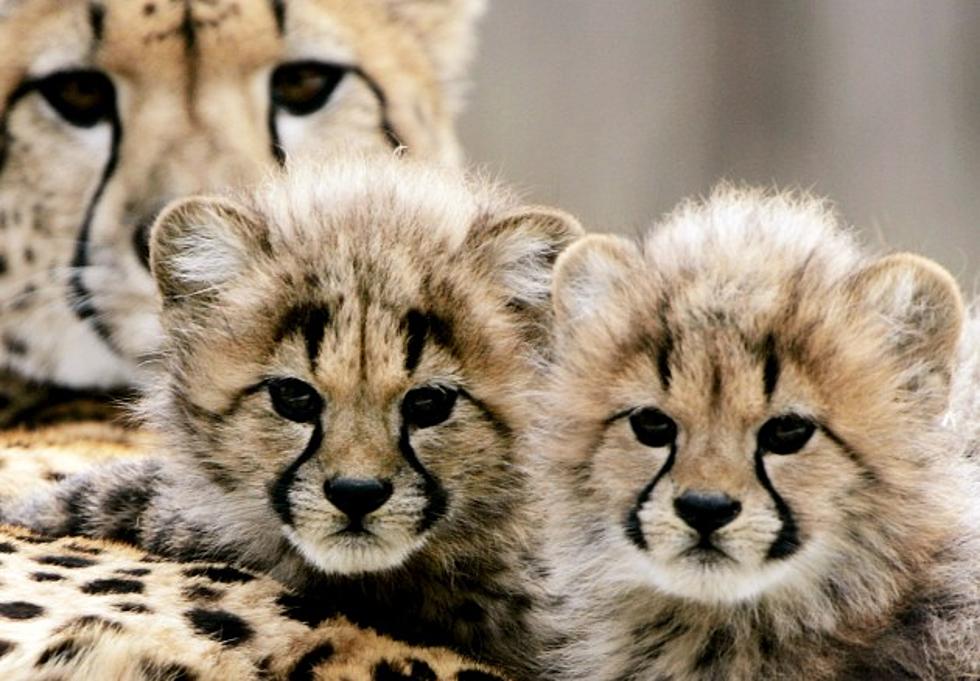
350	552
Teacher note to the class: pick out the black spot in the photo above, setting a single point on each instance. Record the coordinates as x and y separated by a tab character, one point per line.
61	653
149	9
220	625
28	257
90	550
418	671
54	476
166	672
20	610
113	586
225	575
476	675
37	539
308	663
7	547
200	592
5	647
3	264
302	609
46	577
135	572
127	606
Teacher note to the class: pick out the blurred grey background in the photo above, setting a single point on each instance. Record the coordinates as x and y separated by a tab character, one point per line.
617	109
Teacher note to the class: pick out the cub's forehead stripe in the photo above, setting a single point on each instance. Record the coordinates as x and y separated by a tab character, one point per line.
771	368
96	19
279	13
308	320
416	325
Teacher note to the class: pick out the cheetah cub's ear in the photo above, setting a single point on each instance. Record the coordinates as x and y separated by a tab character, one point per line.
198	244
920	306
588	274
518	250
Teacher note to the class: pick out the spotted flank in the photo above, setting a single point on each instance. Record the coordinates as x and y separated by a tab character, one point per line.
77	609
752	473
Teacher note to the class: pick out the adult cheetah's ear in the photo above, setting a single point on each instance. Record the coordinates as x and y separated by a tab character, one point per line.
588	272
923	314
518	250
198	244
447	31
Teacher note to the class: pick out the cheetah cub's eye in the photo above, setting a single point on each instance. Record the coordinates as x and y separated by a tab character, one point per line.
428	406
652	427
295	400
785	434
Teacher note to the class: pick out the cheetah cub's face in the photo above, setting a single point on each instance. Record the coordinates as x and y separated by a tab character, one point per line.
346	349
737	399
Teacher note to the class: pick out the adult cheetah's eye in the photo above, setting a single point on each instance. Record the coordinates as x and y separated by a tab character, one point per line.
785	434
303	87
83	98
428	406
652	427
295	400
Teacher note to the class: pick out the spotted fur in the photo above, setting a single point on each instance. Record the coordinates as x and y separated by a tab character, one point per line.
374	288
752	475
78	609
111	108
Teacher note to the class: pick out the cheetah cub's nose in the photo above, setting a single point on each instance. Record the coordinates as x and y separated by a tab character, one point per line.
706	511
357	496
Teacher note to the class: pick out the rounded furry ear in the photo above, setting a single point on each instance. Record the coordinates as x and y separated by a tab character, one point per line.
587	273
198	244
518	249
923	313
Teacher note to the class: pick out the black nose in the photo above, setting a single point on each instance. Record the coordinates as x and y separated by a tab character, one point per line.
706	511
357	496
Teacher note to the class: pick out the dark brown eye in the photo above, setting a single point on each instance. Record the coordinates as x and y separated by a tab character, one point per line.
83	98
785	434
652	427
305	86
428	406
295	400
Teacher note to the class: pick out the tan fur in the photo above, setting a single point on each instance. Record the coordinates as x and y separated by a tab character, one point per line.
367	282
868	570
78	610
192	90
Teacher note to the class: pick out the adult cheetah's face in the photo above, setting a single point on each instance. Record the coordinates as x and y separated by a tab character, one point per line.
110	108
743	417
358	368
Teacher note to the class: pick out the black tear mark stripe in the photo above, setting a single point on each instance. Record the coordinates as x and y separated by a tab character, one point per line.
787	541
310	321
279	492
437	499
633	527
79	297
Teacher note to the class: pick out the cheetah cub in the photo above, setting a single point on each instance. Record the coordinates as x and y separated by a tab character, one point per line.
346	356
746	444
